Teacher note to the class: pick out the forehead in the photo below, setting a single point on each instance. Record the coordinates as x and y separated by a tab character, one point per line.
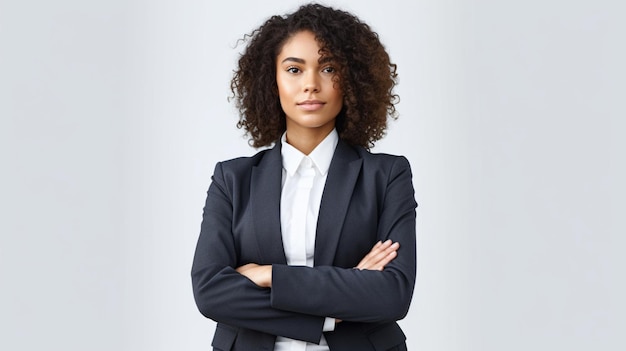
301	45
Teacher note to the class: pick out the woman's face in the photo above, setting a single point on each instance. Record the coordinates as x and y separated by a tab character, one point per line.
308	95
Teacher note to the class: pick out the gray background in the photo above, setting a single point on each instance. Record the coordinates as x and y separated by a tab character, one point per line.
113	114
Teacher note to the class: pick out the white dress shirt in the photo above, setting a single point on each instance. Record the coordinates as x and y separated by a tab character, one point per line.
303	182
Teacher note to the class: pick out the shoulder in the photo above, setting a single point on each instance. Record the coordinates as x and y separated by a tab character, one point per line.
243	163
381	161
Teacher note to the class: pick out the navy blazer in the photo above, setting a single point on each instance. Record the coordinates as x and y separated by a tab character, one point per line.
367	197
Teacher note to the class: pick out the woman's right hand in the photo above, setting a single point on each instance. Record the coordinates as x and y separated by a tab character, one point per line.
381	254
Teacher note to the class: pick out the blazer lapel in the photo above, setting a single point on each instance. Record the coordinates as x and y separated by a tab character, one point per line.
342	176
265	190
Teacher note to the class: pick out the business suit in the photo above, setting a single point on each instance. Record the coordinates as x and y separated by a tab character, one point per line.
367	197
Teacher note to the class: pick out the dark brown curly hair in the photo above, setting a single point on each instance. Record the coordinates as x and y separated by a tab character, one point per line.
364	73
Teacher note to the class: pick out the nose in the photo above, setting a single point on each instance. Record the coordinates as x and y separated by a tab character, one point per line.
311	82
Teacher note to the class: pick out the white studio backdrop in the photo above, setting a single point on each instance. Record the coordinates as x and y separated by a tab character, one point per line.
114	113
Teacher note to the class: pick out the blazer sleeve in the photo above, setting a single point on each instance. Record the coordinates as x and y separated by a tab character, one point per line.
224	295
360	295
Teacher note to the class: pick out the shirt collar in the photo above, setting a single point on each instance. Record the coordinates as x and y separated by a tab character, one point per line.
321	156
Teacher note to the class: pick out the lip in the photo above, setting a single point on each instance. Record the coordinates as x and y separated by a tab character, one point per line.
310	105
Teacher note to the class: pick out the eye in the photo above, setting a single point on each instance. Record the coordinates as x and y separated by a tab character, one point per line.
329	69
293	69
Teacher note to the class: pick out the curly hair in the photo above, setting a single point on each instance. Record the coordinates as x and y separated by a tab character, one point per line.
365	75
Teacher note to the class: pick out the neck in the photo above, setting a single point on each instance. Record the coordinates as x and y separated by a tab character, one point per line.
306	142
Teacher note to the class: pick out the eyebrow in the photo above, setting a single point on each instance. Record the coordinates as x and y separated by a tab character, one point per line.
301	61
293	59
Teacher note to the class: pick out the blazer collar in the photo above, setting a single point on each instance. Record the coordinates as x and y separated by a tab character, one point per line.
265	188
342	176
265	201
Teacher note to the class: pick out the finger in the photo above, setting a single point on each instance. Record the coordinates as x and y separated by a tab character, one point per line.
374	255
376	249
377	260
245	267
385	261
249	271
378	256
378	244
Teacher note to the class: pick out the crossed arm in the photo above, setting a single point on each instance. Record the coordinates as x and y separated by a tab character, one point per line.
376	260
381	254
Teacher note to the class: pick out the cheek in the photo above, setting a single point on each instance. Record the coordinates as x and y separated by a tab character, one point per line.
337	93
284	88
338	96
283	94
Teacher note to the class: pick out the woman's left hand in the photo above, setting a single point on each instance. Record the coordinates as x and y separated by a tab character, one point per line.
381	254
260	275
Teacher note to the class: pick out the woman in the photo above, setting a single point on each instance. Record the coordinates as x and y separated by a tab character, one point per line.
310	245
